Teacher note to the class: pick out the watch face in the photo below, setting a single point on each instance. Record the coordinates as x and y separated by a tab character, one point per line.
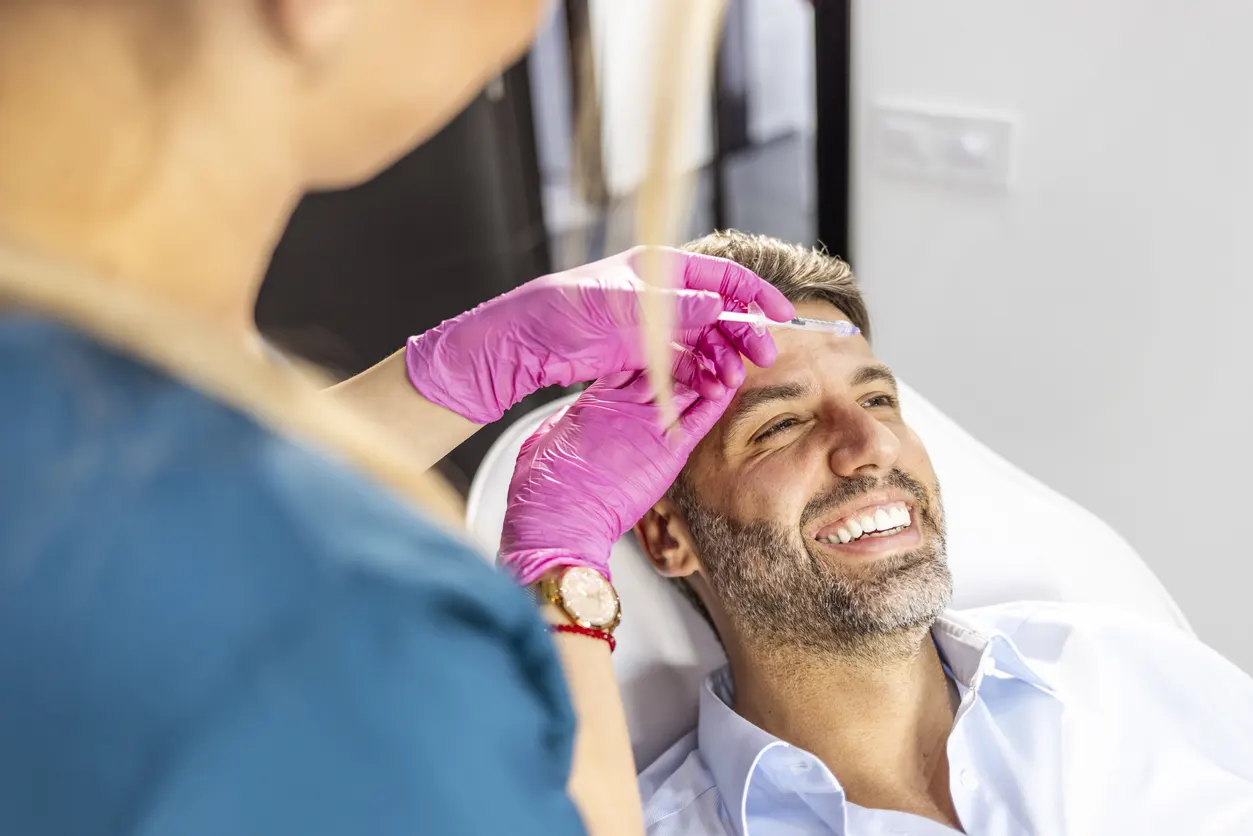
588	597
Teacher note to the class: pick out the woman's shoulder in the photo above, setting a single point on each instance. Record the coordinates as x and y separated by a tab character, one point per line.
162	550
97	429
140	465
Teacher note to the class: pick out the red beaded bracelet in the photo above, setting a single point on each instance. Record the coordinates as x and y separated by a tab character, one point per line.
586	631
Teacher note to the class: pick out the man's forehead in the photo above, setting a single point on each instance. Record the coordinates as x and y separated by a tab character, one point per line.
805	356
808	365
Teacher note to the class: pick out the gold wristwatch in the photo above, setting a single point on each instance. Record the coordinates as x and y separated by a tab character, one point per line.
584	595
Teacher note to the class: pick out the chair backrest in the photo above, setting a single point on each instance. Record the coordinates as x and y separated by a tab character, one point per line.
1010	538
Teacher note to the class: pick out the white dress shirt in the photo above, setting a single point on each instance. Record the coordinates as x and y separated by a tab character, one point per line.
1074	720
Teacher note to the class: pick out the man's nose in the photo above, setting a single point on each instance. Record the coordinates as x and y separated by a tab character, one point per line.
862	445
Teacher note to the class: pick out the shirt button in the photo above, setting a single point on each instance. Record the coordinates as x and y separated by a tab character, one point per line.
989	666
968	780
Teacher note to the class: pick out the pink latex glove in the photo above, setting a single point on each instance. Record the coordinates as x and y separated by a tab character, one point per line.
584	324
589	474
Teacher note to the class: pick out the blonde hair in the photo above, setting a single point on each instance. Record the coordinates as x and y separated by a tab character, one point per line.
687	45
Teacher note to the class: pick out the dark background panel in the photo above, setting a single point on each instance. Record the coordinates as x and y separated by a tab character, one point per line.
456	222
833	53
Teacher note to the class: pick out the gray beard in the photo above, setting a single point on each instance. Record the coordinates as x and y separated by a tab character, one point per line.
781	591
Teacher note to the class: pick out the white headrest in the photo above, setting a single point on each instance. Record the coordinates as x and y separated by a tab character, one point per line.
1010	538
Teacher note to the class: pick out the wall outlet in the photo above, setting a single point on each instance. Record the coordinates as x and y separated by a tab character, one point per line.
948	146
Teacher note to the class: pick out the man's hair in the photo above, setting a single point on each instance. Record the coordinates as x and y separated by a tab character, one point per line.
803	274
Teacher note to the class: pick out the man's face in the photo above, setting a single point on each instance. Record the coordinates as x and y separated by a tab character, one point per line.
812	507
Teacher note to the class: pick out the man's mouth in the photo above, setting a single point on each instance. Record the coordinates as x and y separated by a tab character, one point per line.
871	522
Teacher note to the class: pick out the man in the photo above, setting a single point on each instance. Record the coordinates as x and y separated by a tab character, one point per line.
809	527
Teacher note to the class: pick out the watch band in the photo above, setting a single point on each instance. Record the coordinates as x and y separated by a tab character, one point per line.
586	631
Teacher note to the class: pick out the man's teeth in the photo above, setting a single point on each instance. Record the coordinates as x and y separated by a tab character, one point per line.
882	523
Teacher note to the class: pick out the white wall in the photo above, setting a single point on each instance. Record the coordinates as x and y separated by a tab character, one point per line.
780	35
627	43
626	38
1092	323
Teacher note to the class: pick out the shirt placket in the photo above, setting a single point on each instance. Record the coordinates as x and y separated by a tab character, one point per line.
991	796
965	782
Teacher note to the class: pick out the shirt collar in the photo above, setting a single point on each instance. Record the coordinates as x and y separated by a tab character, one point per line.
973	651
732	747
735	742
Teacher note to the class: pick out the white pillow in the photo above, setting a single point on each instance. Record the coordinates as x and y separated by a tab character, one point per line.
1010	538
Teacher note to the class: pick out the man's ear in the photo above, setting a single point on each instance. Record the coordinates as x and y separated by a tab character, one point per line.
311	28
666	540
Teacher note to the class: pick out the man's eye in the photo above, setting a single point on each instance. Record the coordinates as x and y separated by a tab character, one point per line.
778	427
879	401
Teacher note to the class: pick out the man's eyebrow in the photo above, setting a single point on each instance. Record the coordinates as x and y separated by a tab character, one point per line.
750	400
874	374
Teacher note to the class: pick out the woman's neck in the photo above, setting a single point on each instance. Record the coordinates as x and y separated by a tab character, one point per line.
160	186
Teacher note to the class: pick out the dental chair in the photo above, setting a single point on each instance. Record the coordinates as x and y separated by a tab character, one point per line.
1010	538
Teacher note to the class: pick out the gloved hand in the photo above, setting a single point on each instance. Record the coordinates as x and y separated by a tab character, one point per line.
589	474
584	324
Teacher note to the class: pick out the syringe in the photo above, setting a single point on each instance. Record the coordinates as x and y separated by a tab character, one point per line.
759	322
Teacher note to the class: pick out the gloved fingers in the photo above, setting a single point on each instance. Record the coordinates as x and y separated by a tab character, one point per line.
542	430
735	282
720	353
699	416
691	372
618	380
757	347
685	399
623	305
696	308
552	419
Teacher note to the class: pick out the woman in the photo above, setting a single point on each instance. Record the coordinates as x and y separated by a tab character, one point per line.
215	616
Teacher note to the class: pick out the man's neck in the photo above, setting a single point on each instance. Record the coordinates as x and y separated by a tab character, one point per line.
878	718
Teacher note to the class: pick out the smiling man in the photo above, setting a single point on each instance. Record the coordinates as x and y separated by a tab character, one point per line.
809	528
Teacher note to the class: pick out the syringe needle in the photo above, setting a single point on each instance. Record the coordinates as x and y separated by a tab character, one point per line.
838	327
736	316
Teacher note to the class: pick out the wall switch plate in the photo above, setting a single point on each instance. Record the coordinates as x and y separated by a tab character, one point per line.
943	145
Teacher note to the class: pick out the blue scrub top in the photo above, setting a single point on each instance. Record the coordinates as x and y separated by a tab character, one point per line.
208	629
